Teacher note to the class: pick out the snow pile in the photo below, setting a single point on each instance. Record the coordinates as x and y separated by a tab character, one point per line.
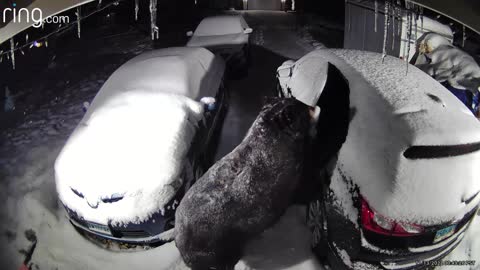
135	147
449	63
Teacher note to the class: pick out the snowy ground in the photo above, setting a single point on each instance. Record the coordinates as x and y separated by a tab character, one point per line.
30	147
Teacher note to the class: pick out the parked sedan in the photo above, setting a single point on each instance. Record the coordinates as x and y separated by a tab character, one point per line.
399	154
145	139
225	35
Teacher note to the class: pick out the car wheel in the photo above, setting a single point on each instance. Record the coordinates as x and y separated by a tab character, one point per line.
315	222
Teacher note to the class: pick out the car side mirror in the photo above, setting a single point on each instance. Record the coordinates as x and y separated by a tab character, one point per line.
248	31
189	33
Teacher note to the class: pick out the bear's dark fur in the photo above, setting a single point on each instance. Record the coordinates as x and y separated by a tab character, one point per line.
245	192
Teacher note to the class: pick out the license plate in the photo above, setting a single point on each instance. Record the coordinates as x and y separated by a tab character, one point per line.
444	233
98	228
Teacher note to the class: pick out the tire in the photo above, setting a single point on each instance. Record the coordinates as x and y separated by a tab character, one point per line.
316	222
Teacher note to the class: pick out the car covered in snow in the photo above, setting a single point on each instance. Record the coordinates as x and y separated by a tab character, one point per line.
396	156
145	139
226	35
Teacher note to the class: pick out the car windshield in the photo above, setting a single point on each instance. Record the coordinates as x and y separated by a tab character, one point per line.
221	25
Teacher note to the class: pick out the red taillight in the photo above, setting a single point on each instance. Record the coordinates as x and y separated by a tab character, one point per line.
377	223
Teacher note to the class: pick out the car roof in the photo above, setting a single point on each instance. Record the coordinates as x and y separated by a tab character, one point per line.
221	25
190	72
426	109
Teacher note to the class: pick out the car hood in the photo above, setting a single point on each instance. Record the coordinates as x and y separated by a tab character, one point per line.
134	147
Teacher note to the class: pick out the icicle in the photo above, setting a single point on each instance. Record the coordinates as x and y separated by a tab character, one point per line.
137	8
12	51
393	24
26	38
78	21
421	19
464	38
376	15
416	26
99	3
385	29
153	19
409	36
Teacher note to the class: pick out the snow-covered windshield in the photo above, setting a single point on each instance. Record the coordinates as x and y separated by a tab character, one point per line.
221	25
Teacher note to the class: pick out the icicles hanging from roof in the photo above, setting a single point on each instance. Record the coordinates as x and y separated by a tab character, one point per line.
78	21
376	15
464	38
137	9
385	29
153	19
12	52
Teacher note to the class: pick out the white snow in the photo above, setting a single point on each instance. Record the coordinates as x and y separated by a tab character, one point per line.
305	78
134	138
343	255
341	189
221	25
190	72
449	63
220	31
393	112
135	146
427	25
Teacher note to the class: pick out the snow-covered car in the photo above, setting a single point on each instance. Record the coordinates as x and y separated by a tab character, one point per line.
144	140
226	35
397	157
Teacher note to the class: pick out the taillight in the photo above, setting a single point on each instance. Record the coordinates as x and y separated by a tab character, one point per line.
377	223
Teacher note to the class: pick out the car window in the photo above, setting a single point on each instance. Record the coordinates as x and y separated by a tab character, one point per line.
219	26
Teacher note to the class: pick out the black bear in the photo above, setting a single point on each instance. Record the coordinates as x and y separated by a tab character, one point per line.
245	192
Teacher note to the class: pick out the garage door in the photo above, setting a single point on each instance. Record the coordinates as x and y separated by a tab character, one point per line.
264	4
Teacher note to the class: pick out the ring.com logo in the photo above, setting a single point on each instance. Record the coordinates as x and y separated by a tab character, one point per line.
35	15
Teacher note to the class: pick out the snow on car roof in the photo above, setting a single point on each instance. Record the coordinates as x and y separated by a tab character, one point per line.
190	72
428	110
134	146
221	25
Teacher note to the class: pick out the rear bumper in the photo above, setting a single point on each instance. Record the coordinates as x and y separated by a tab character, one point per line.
372	257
